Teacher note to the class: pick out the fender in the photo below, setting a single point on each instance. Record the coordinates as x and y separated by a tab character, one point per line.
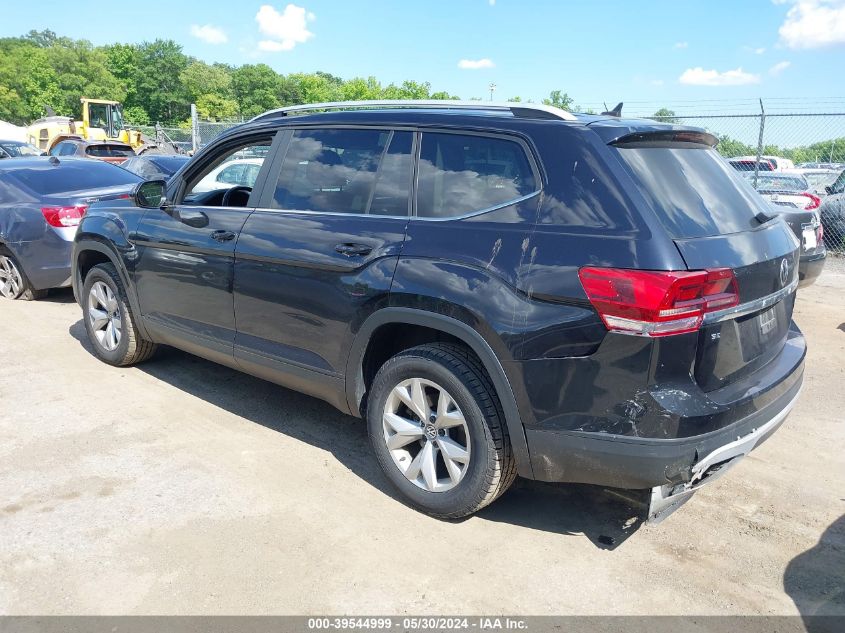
465	333
91	242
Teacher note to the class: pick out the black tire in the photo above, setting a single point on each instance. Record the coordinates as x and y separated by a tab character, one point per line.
25	290
491	468
132	348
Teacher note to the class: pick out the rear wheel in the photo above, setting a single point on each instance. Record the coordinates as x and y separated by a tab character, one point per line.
13	282
109	320
438	432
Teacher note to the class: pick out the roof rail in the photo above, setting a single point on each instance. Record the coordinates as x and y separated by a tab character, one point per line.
518	109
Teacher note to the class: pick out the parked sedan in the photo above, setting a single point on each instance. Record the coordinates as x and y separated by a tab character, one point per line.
154	166
17	149
240	172
42	200
108	151
785	190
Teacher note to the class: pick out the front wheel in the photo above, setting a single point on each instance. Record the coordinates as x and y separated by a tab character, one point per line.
109	320
438	431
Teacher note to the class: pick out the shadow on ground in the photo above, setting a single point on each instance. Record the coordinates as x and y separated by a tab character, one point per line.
606	517
815	580
58	295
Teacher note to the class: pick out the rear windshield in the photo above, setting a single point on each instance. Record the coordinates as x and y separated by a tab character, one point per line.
19	149
693	191
48	180
109	151
770	182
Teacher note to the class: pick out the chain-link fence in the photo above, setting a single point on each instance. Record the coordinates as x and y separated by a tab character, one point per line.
795	160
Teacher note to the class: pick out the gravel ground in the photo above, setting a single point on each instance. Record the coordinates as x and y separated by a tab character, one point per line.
182	487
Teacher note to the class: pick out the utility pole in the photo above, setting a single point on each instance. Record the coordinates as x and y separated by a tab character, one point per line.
492	88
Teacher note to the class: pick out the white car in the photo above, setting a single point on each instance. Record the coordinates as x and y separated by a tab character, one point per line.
818	179
233	173
779	163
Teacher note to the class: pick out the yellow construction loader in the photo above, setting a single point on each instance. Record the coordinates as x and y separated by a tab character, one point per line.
102	120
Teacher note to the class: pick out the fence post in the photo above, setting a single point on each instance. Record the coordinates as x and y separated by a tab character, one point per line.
759	143
195	129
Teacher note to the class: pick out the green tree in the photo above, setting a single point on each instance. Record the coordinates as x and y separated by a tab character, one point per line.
160	90
82	71
665	115
29	82
560	100
255	88
730	147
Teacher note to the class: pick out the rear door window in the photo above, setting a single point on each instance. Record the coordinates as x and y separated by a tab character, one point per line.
346	171
461	174
693	191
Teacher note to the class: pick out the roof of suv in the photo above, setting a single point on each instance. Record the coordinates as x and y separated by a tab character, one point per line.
481	114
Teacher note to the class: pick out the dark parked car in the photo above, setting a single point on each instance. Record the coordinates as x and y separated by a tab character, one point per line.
499	290
42	201
17	149
153	166
832	212
107	151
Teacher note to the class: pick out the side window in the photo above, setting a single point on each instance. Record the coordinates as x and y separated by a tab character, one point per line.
58	150
460	174
346	171
235	166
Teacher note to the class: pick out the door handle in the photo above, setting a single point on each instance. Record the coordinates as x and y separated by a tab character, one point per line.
222	236
351	250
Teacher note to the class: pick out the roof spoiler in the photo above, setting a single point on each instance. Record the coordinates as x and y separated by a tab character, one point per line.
696	137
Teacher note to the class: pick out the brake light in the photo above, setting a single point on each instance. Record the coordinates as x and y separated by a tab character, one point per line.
658	303
820	233
814	202
62	217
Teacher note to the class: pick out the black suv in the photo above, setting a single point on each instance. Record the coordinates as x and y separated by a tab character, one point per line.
500	290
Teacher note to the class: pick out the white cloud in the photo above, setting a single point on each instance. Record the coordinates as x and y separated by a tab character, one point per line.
757	51
475	64
681	44
813	24
208	33
492	2
779	68
285	29
700	77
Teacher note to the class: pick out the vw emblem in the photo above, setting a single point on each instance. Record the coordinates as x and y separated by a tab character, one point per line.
784	271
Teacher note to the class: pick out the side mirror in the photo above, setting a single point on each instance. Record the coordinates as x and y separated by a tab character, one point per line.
150	194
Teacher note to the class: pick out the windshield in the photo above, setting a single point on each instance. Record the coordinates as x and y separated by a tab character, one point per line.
694	192
72	176
117	119
15	149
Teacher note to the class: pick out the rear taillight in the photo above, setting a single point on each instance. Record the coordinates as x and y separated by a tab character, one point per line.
814	202
62	217
820	233
658	303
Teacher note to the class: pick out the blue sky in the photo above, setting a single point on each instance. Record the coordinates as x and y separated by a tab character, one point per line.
649	52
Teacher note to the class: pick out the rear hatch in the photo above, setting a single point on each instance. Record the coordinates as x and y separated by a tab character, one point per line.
717	220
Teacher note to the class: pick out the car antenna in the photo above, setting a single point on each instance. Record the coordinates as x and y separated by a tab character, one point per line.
617	111
54	160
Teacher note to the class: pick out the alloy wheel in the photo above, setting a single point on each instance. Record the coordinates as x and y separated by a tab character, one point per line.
11	281
104	316
426	434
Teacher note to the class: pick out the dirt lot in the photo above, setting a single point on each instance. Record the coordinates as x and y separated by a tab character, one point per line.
184	487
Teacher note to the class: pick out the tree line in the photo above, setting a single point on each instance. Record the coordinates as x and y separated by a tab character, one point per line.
157	82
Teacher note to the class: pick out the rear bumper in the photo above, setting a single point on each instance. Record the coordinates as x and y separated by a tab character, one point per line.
46	261
636	463
809	268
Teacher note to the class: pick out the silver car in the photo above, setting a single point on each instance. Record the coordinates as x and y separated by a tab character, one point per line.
42	200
